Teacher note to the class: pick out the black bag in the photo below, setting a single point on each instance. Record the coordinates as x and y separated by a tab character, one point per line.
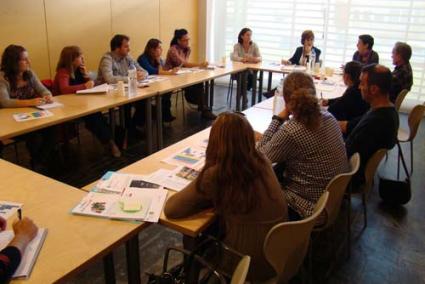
396	192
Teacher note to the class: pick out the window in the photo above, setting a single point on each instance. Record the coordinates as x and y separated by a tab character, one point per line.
277	26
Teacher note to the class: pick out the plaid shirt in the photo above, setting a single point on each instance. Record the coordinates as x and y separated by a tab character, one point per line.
402	79
311	158
176	57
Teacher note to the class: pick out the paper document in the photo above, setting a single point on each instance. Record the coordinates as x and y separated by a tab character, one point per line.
50	105
176	179
25	116
189	156
8	209
95	90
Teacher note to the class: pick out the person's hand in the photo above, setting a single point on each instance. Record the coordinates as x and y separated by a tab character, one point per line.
343	125
25	231
36	102
257	136
83	70
3	224
174	70
141	75
204	64
89	84
324	102
48	99
285	62
284	114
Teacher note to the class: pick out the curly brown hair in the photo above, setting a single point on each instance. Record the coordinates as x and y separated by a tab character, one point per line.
304	105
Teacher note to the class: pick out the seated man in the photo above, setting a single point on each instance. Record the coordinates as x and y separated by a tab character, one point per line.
377	128
365	54
402	74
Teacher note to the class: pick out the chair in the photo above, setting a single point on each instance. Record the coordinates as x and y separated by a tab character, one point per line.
414	119
9	142
286	244
400	98
370	171
239	275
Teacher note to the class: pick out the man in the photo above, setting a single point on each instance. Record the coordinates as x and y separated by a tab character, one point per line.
365	54
402	74
378	127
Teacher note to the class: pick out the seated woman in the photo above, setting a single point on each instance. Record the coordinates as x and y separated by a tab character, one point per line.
71	76
351	103
20	87
151	61
305	52
246	51
178	56
239	183
10	257
365	54
308	146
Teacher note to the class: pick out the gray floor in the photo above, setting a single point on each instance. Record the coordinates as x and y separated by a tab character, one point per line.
390	250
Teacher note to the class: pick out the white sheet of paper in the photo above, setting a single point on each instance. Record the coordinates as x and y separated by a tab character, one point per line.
50	106
95	90
8	208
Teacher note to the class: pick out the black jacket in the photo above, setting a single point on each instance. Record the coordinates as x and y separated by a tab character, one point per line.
349	106
295	59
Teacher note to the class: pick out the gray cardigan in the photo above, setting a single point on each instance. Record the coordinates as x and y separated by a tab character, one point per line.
7	102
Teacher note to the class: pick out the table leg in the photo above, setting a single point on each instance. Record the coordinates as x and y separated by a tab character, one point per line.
211	93
148	125
159	122
109	268
260	86
244	90
254	87
269	85
133	261
238	90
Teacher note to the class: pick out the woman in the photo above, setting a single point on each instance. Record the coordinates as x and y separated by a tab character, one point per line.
246	51
10	257
304	53
151	61
308	146
20	87
351	104
71	76
239	183
178	56
365	54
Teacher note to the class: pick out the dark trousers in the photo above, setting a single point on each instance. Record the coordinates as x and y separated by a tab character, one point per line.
43	146
97	125
196	95
139	115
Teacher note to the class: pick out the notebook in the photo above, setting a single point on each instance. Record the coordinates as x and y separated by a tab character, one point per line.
95	90
31	252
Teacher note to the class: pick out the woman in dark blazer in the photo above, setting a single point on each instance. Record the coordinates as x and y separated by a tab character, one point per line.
303	52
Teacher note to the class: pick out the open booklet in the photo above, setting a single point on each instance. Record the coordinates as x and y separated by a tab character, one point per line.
176	179
124	197
8	208
193	157
37	114
31	252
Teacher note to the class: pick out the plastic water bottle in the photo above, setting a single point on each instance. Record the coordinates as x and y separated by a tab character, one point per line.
278	101
132	82
312	59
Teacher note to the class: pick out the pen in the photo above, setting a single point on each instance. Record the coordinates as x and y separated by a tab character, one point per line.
20	214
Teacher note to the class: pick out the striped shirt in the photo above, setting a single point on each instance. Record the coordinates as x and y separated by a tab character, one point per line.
310	158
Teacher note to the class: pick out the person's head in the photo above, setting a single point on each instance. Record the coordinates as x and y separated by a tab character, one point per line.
181	38
233	163
401	53
352	72
15	62
375	82
365	43
120	44
245	36
294	81
153	50
71	58
304	106
307	38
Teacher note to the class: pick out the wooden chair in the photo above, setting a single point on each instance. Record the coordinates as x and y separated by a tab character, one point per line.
239	275
400	98
414	119
286	244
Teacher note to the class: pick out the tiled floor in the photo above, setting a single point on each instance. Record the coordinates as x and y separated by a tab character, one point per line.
390	250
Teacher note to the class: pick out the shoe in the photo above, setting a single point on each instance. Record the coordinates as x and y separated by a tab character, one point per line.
207	114
168	118
115	151
270	93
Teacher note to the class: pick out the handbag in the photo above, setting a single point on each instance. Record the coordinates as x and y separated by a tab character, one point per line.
396	192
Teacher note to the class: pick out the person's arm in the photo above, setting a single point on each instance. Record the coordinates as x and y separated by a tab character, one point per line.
40	89
351	124
141	73
374	58
145	64
296	56
256	56
62	77
235	54
7	102
187	202
318	52
107	73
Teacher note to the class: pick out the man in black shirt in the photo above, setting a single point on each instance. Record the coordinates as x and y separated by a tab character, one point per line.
378	127
402	74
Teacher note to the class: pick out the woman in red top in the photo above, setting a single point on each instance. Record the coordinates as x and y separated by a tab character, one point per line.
71	76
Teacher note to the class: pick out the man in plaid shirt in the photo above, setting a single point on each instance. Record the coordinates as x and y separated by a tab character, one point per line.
402	76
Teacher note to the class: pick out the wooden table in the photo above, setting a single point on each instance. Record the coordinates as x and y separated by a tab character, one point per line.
73	242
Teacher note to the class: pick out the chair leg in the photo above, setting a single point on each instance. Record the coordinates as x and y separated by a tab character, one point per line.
398	164
364	209
229	88
411	157
349	224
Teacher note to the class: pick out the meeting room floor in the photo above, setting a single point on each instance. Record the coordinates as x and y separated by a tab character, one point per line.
389	250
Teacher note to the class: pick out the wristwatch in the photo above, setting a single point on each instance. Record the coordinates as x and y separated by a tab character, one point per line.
278	118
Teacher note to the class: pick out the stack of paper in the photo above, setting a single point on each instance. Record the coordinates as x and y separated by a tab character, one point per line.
50	105
25	116
95	90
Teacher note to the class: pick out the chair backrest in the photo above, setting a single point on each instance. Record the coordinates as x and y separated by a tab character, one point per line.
239	275
415	117
371	167
336	188
400	98
48	83
286	244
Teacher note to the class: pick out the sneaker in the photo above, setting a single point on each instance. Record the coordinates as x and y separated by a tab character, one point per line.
207	114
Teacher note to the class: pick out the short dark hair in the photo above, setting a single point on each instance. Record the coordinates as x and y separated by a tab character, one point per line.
178	34
353	69
367	39
308	34
404	50
379	76
117	40
241	33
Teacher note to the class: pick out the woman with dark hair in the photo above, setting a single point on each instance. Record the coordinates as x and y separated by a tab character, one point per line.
151	61
71	76
20	87
351	104
178	56
304	53
365	54
239	183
